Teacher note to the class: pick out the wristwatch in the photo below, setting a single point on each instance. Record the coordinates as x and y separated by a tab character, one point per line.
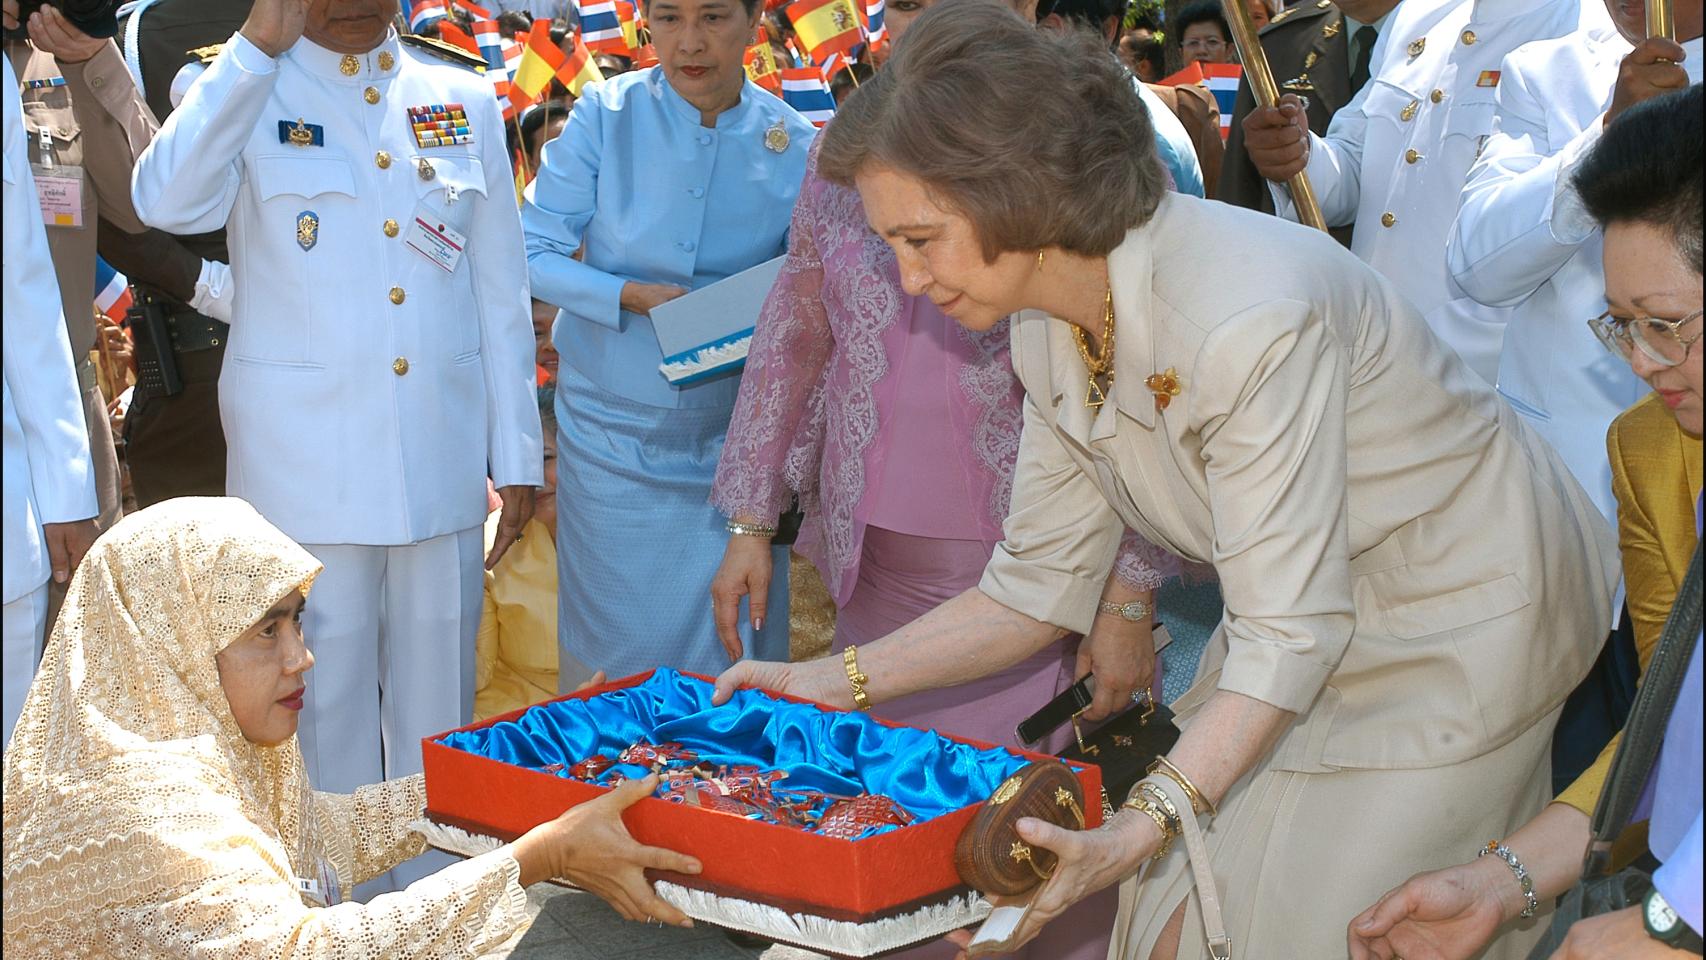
1136	611
1665	926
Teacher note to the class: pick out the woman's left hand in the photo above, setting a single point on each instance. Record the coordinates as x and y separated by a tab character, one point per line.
1613	936
1090	860
1121	653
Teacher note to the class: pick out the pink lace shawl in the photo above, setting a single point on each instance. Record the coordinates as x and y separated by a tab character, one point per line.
812	402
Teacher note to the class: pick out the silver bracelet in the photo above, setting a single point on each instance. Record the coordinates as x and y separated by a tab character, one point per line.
750	529
1531	903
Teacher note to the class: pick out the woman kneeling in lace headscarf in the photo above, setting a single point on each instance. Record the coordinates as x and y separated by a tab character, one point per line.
155	799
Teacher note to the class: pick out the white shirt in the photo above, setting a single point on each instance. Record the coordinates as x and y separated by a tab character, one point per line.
1523	240
1395	159
48	474
367	389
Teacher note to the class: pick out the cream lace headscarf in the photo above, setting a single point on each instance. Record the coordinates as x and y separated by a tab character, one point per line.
127	777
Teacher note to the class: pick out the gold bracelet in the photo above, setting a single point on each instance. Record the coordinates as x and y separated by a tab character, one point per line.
1144	806
855	679
1159	797
1199	801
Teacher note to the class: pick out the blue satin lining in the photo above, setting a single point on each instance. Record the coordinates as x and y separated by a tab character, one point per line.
835	753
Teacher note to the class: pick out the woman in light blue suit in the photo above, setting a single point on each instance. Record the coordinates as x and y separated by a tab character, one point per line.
666	180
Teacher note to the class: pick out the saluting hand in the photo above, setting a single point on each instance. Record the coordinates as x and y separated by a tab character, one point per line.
1277	139
1647	71
52	33
275	25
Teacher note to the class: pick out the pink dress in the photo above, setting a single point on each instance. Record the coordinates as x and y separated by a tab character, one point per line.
898	429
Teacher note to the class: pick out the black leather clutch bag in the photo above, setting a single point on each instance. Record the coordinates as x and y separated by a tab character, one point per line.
1123	747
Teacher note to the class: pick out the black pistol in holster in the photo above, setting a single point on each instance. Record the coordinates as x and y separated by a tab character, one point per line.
150	322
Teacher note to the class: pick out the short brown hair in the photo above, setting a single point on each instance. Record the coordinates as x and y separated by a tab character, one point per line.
1036	136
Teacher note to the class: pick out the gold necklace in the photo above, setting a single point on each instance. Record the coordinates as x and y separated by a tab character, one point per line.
1102	365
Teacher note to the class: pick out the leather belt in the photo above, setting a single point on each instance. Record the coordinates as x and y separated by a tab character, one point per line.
190	330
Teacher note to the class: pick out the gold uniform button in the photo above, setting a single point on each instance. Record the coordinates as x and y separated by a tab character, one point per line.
382	160
386	61
1437	96
349	66
391	225
1409	112
397	293
1411	155
1468	37
400	366
371	94
1387	219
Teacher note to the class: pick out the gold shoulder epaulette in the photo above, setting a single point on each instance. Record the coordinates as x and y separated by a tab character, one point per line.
205	54
445	51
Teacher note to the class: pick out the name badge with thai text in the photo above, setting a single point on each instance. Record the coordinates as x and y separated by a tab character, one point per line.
60	191
435	239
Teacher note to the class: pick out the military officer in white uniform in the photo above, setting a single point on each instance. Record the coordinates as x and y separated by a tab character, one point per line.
381	352
49	480
1395	159
1523	239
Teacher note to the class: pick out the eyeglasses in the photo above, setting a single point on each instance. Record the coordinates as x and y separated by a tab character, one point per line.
1661	341
1201	43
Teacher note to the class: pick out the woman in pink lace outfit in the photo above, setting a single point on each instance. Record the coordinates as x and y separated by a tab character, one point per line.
898	429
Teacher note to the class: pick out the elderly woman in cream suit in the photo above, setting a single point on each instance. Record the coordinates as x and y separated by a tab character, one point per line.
1413	581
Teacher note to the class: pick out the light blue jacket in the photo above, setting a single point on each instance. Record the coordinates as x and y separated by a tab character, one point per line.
655	198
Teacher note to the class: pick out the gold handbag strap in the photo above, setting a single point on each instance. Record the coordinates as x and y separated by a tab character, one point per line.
1208	895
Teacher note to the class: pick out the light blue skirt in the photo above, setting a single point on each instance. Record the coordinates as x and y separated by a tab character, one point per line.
637	541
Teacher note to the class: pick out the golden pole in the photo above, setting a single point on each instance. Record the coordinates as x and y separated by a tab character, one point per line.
1659	22
1261	80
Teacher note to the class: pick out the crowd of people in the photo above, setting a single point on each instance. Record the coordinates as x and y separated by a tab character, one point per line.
1405	362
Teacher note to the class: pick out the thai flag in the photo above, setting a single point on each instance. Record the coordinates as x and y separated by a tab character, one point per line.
875	30
835	64
476	13
112	291
491	41
804	90
601	28
425	12
1221	79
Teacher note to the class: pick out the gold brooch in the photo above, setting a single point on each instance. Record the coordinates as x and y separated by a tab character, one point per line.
1165	386
300	135
1416	47
776	138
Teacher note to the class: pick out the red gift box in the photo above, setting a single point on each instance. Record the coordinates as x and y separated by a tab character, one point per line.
855	881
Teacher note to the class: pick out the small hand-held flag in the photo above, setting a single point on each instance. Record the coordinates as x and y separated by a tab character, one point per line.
579	69
540	61
804	90
825	26
425	12
761	68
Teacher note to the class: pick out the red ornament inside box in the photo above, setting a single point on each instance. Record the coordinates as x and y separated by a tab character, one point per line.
854	881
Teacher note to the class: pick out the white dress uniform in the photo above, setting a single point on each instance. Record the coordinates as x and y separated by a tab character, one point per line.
1410	136
380	361
48	475
1523	240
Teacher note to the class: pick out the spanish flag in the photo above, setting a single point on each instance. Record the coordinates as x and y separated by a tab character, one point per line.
761	67
579	69
540	61
825	26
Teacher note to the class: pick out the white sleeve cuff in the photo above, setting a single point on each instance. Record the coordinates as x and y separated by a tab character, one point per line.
213	291
250	58
1570	221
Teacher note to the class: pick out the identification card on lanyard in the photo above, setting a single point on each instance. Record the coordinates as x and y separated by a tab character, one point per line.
60	191
434	239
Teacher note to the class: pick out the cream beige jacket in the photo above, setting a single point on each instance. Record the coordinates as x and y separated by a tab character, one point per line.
1404	563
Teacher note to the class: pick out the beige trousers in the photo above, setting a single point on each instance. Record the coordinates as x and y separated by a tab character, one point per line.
1297	855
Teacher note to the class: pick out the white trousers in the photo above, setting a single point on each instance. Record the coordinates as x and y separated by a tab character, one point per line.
25	629
392	630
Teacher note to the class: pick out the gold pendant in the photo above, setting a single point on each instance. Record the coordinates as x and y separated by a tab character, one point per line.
1094	397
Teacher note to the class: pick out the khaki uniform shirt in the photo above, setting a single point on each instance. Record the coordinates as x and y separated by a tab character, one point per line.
96	124
1404	563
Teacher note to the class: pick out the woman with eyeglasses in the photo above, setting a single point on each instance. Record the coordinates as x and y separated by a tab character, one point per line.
1204	34
1643	183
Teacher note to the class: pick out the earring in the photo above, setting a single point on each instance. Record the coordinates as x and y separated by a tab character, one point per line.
1040	258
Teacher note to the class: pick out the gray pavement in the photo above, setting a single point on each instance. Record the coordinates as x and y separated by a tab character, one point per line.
569	925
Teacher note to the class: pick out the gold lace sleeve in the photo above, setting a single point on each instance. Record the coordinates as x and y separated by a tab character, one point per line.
366	833
462	911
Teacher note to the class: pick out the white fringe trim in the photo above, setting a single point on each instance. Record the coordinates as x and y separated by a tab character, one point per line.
709	359
806	930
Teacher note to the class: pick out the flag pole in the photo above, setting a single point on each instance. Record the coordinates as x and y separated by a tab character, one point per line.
1659	20
1261	79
